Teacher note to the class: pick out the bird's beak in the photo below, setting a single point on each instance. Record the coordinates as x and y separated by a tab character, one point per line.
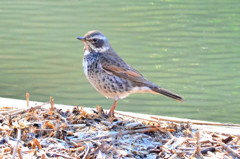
81	38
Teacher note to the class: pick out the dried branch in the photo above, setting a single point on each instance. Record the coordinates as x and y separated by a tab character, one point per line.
16	146
118	133
52	103
27	109
86	153
229	150
27	99
197	153
198	150
173	156
20	153
134	117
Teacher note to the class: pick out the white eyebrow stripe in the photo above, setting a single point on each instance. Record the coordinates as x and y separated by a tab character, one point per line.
100	37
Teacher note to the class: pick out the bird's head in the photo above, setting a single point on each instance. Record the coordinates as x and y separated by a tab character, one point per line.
94	41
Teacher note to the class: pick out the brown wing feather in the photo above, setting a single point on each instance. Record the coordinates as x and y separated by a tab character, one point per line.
119	68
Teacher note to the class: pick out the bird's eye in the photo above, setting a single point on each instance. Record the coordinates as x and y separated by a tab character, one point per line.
94	40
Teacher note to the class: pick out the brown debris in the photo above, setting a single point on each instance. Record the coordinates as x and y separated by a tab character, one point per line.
52	103
27	99
37	132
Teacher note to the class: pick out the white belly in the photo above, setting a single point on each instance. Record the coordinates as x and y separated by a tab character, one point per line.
85	64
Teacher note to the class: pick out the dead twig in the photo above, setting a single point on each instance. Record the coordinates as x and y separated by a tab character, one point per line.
173	156
169	134
27	109
59	155
178	142
27	99
118	133
197	153
8	112
10	120
52	103
130	116
20	153
16	147
170	142
198	150
35	143
229	150
86	153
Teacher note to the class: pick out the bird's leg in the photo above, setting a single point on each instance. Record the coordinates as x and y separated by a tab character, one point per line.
111	111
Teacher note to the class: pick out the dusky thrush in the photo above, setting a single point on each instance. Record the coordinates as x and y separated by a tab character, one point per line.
110	75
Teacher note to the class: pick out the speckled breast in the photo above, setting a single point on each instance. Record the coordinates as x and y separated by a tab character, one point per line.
108	84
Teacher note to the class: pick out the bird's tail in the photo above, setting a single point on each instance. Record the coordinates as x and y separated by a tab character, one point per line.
167	93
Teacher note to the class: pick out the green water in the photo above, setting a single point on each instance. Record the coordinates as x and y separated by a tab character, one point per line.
189	47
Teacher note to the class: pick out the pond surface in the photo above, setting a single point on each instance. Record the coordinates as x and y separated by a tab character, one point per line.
189	47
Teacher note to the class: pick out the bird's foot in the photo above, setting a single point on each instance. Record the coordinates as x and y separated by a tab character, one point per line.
111	111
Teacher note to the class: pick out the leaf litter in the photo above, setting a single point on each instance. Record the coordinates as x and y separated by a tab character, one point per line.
40	132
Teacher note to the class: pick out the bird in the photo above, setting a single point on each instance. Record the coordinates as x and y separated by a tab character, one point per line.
110	75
